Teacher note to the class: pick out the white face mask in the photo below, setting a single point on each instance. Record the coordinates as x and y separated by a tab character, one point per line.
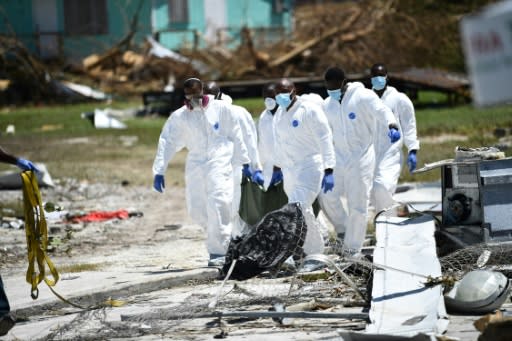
270	103
196	102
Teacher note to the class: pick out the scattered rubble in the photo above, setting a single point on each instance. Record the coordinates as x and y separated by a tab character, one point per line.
353	34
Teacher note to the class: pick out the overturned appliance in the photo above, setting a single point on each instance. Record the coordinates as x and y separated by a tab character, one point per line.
476	199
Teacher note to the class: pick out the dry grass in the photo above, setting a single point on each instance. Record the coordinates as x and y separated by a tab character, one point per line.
80	267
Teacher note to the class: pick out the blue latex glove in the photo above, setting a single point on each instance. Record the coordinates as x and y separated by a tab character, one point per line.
159	183
26	165
411	161
328	182
277	178
257	177
394	135
246	171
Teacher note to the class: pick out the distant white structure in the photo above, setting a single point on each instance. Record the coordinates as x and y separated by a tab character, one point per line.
487	43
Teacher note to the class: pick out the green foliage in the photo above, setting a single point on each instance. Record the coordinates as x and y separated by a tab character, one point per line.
254	105
465	120
441	130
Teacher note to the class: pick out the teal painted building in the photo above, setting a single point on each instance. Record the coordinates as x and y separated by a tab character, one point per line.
73	29
220	21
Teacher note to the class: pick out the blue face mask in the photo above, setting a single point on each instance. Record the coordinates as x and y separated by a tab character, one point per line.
335	94
284	100
378	82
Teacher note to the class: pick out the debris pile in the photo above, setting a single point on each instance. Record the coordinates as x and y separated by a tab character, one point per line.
352	34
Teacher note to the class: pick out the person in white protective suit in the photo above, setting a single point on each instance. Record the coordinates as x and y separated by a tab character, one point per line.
213	88
265	132
253	172
272	176
312	97
353	112
389	155
211	133
266	143
304	152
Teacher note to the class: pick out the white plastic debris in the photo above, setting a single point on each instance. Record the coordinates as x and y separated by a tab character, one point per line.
102	120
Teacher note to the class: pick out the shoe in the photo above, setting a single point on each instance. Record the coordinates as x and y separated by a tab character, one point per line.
6	323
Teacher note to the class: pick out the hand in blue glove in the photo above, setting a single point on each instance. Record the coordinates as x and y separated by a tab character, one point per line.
277	177
246	171
26	165
328	182
394	134
159	183
411	161
257	177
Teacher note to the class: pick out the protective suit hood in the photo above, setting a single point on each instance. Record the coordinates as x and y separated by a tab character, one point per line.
390	90
352	86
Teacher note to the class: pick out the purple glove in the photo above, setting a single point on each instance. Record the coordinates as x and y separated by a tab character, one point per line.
411	161
327	182
277	177
394	135
257	177
246	171
26	165
159	183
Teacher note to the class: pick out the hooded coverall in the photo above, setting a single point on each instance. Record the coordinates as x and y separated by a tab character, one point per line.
250	137
226	98
266	145
303	149
214	141
354	126
266	137
389	155
312	97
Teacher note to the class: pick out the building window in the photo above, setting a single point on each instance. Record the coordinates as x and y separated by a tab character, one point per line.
178	11
87	17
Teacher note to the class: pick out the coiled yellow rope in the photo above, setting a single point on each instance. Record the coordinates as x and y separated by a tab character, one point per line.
37	241
37	235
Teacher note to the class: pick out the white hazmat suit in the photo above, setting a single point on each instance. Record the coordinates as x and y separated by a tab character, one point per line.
354	126
250	137
303	149
389	155
266	145
214	141
226	98
266	136
312	97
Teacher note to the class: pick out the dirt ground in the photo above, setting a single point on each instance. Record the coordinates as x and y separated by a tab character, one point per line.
71	244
